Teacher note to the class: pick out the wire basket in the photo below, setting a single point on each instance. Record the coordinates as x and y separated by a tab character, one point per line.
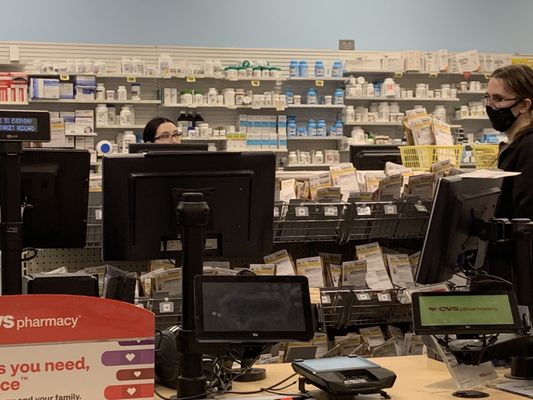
420	158
486	155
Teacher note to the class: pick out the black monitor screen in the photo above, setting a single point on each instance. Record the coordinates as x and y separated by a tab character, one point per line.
146	147
139	216
252	308
374	156
55	190
449	241
465	312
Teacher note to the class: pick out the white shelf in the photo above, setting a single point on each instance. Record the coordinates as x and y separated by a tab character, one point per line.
471	92
204	139
324	106
373	123
304	138
116	76
93	134
308	78
74	101
13	103
323	165
222	106
400	99
120	126
472	119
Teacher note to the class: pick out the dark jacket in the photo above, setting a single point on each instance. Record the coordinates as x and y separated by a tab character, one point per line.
516	200
506	259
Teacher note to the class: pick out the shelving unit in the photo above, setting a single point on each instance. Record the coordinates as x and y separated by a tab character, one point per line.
74	101
401	99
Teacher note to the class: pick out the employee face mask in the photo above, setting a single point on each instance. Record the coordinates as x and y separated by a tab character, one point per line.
503	118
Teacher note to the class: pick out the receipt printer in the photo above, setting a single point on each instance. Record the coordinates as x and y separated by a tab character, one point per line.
348	375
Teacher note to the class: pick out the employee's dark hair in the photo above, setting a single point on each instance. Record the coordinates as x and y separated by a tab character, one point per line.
151	128
518	78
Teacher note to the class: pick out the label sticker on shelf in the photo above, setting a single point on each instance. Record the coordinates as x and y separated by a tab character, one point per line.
390	209
64	77
166	307
421	208
131	79
384	297
398	74
326	299
331	211
276	212
255	82
433	74
301	211
319	83
364	210
363	296
98	214
191	79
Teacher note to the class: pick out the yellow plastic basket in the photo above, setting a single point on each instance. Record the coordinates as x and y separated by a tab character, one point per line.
420	158
486	155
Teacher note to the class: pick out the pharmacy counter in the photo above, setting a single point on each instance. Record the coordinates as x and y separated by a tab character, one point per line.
418	378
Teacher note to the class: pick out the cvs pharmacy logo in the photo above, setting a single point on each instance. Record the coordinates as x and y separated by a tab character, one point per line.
7	321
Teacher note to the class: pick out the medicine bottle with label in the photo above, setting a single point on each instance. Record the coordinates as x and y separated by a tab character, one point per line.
100	91
122	93
128	138
125	116
102	116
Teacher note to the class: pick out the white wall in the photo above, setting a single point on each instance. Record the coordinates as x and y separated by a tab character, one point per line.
486	25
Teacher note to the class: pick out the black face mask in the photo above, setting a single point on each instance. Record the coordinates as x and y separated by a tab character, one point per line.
503	118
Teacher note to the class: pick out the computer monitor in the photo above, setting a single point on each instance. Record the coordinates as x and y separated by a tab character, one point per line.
139	216
374	156
55	190
252	309
146	147
449	241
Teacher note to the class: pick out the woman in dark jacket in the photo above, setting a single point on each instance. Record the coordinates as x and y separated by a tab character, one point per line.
508	101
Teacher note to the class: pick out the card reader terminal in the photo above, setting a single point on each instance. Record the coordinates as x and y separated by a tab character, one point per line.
344	375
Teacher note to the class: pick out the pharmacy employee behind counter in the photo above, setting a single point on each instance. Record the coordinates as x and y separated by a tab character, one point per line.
161	130
509	104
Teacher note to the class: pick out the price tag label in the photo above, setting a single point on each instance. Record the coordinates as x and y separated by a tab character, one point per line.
319	83
364	210
256	83
276	212
326	299
314	294
64	77
363	296
390	209
166	307
331	212
421	208
433	74
384	297
398	74
191	79
131	79
301	211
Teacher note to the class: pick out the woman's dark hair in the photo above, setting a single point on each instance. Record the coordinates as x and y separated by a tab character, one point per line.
151	128
518	78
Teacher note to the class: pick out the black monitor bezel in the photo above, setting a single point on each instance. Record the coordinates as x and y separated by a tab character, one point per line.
252	337
43	126
374	149
464	329
151	147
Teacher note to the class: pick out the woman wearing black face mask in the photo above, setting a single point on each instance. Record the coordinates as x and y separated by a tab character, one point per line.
509	105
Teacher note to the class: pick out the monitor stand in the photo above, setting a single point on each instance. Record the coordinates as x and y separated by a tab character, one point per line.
192	213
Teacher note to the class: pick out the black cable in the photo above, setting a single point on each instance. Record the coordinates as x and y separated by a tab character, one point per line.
285	387
302	395
181	398
31	257
260	390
